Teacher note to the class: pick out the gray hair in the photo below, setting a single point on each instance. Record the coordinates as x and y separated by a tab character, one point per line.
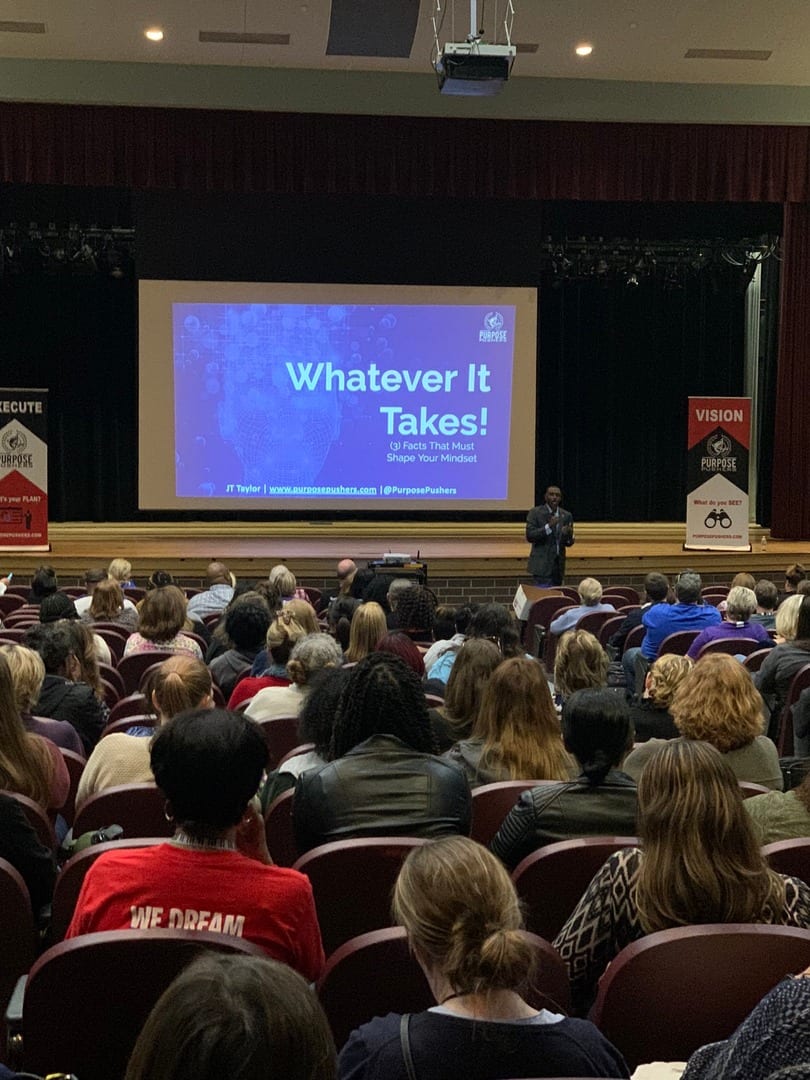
688	586
741	603
313	652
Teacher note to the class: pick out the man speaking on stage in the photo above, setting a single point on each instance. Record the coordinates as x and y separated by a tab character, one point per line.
550	530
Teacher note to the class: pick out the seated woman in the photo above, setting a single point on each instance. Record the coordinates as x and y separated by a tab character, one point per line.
311	654
650	717
43	583
123	758
477	659
717	702
29	764
216	871
252	1018
107	605
161	618
463	921
283	581
600	802
120	570
247	620
397	643
781	815
792	652
494	623
27	676
413	614
741	603
302	612
700	863
20	846
283	634
517	733
590	596
580	663
383	778
367	627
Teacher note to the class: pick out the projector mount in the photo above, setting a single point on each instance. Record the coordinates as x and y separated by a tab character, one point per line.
472	67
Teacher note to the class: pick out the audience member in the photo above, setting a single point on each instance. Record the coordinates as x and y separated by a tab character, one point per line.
397	643
284	581
339	619
29	764
396	587
367	627
283	633
601	801
302	612
741	603
717	702
43	583
216	873
216	597
742	580
590	595
235	1016
778	668
346	569
246	624
767	598
27	676
107	605
180	683
800	714
311	654
781	815
161	618
580	663
85	651
455	719
159	579
360	582
794	575
650	716
120	570
516	735
20	846
656	589
464	923
383	778
449	635
63	696
56	606
92	578
491	621
699	863
413	615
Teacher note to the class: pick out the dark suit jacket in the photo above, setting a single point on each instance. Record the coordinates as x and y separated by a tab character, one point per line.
544	561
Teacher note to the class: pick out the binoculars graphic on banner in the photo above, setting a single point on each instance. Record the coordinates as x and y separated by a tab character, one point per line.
715	516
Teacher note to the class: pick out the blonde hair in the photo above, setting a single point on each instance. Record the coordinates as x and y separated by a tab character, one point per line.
283	579
180	683
474	663
120	570
27	674
702	862
26	765
580	663
787	616
519	726
718	702
462	915
304	613
665	676
368	625
590	591
282	634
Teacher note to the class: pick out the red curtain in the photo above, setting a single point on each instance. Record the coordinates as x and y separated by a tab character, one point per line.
791	452
381	155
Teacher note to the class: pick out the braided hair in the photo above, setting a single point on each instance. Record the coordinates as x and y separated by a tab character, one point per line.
382	697
415	609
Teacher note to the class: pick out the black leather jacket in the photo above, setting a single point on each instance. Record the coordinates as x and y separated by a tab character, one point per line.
380	788
552	812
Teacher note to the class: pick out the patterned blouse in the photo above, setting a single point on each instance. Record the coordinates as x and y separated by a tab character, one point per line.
606	920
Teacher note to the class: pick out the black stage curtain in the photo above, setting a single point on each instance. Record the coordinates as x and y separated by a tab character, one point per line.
615	362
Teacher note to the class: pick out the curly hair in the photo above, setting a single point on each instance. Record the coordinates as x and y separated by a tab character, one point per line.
665	676
580	663
382	696
415	609
718	703
316	720
702	862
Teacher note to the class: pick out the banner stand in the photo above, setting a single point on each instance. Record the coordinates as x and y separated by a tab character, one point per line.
717	506
23	470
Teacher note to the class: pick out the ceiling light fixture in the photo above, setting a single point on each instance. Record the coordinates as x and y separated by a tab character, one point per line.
154	34
583	49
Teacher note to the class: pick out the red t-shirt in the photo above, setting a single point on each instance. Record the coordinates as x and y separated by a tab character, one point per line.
188	889
249	687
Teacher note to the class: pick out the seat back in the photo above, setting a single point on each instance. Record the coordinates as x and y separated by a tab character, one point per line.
593	621
608	628
71	878
9	603
492	802
352	881
16	930
131	705
790	857
281	735
278	827
126	722
753	660
114	640
87	999
635	637
678	642
140	810
37	818
113	676
552	879
376	973
541	613
131	668
644	1005
628	594
731	646
75	767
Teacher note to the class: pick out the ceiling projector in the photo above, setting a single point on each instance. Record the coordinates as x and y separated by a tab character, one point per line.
472	69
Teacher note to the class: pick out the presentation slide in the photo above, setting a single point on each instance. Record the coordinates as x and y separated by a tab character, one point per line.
336	396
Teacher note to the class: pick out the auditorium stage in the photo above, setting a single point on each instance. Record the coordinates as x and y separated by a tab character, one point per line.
483	560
